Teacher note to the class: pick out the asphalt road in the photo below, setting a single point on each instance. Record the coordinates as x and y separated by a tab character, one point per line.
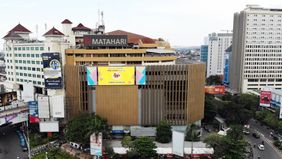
270	151
9	145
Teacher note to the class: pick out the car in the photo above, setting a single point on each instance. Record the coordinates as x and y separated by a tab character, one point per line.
261	147
246	132
255	135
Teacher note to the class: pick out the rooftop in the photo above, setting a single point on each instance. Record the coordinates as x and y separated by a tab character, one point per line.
53	31
66	21
132	37
20	28
81	27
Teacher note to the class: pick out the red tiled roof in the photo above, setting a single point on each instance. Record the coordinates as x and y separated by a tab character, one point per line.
53	31
133	38
20	28
81	27
66	21
12	35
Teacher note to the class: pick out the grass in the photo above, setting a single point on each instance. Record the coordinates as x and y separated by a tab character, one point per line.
54	154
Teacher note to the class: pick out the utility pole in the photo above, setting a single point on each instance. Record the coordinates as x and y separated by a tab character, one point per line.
28	141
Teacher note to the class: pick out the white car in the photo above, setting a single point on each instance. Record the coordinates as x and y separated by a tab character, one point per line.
261	147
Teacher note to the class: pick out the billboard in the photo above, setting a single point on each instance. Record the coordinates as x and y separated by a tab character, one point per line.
140	75
43	107
91	76
52	126
58	106
265	98
28	92
116	75
105	40
96	144
52	67
33	111
178	143
215	89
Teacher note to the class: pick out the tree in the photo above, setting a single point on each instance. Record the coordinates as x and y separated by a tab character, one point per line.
210	109
217	143
235	132
213	80
192	134
126	141
81	127
144	147
164	133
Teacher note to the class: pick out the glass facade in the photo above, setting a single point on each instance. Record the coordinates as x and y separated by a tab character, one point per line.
204	53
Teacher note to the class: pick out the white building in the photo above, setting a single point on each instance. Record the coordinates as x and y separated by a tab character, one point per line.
256	60
23	57
217	44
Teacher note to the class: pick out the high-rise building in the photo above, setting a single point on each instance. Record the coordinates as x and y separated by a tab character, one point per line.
256	59
227	54
204	53
218	43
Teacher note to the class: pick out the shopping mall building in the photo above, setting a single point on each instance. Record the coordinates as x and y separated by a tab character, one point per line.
103	76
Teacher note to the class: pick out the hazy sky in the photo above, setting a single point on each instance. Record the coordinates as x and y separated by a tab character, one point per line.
181	22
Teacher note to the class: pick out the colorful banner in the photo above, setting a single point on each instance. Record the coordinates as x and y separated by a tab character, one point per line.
96	144
116	76
33	111
140	75
91	76
52	67
215	89
265	98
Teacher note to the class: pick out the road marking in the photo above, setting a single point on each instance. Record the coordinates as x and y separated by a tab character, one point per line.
270	143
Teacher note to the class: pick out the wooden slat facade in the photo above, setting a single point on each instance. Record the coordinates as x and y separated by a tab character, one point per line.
173	92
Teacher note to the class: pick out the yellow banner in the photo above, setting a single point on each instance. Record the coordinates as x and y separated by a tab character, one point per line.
116	75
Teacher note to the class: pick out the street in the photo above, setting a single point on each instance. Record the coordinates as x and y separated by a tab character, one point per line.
270	151
9	145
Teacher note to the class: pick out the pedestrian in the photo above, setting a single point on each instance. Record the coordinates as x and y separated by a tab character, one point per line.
262	142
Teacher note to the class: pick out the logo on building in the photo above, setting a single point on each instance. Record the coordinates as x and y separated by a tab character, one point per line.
116	75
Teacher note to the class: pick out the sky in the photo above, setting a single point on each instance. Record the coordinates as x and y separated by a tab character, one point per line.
181	22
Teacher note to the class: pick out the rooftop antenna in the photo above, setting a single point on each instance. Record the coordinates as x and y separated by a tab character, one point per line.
36	28
102	16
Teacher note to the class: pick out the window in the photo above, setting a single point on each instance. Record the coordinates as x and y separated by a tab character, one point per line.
23	55
19	48
38	76
38	82
37	62
15	48
37	69
28	62
20	55
33	62
32	55
27	48
23	48
20	61
32	48
28	67
27	55
41	48
36	48
37	55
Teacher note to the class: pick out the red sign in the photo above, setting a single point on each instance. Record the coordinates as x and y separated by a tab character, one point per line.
215	89
265	98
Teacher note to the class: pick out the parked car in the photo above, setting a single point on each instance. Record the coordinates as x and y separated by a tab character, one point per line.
261	147
255	135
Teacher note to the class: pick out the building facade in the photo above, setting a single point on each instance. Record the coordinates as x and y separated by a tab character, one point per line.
172	92
227	55
204	53
218	43
257	49
169	93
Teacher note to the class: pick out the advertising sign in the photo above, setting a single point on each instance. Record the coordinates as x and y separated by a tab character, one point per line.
105	40
215	89
28	92
52	126
52	70
265	98
116	75
178	143
33	112
91	76
58	106
140	75
96	144
43	107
